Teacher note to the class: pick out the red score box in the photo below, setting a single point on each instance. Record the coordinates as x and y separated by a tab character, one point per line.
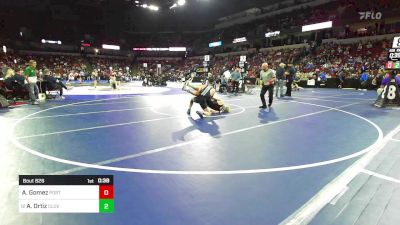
106	192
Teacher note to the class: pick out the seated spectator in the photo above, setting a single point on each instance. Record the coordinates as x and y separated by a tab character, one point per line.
359	48
52	83
14	81
322	78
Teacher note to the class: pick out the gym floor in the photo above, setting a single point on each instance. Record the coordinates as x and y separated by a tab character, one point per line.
250	166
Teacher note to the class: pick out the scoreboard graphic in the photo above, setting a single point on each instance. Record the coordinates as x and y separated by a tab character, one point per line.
390	95
394	55
66	194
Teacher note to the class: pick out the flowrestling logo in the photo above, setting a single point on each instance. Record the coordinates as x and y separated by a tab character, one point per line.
370	15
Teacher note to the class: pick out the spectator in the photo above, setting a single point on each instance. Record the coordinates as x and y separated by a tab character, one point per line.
280	76
322	78
341	77
31	78
52	83
290	78
363	81
95	77
236	76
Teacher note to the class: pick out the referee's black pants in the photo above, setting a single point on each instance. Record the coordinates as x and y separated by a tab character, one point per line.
289	88
235	86
264	89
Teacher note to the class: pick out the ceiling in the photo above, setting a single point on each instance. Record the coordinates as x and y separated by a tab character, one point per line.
117	17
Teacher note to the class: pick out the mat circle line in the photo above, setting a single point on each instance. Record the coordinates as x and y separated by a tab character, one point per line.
377	143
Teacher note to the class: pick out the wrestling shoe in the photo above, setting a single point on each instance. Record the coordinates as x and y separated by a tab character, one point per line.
225	109
184	87
200	114
186	84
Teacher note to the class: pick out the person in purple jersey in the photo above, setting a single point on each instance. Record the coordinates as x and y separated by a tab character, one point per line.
386	80
397	78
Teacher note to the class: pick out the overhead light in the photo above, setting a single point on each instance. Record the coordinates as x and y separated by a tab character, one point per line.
238	40
112	47
153	7
173	6
171	49
4	49
215	44
137	2
181	2
317	26
272	34
177	49
44	41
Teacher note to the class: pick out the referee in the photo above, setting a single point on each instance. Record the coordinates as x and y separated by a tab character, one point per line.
267	77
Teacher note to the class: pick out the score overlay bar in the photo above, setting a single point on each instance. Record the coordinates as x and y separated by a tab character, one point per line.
66	194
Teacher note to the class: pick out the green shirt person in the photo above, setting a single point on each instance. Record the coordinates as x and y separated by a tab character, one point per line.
30	76
30	72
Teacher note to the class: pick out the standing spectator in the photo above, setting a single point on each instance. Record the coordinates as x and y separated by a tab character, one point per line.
95	76
341	77
31	78
224	84
280	76
316	77
363	81
374	82
267	77
290	78
227	76
236	76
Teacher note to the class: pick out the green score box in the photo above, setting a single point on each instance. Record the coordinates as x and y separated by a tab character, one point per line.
106	206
